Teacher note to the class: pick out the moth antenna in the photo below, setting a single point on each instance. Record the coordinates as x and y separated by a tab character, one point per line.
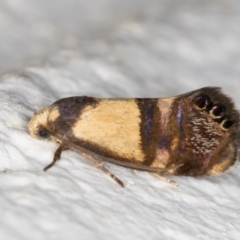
57	156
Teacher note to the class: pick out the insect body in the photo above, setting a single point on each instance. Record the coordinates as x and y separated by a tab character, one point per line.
193	134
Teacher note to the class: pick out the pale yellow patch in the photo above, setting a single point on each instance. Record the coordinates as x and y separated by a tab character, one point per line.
53	114
164	105
174	143
114	125
224	164
161	159
39	118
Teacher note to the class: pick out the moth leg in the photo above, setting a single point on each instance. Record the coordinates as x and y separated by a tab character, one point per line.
164	179
57	156
98	164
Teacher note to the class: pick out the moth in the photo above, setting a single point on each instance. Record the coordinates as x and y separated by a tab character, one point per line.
193	134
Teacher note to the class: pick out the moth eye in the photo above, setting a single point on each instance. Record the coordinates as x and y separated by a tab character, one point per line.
203	101
218	110
43	134
227	124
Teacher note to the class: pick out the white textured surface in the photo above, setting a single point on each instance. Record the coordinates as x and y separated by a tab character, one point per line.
145	50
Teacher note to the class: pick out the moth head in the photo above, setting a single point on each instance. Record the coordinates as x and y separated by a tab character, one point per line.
39	125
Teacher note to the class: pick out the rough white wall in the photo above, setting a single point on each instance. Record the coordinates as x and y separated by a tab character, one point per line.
145	50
